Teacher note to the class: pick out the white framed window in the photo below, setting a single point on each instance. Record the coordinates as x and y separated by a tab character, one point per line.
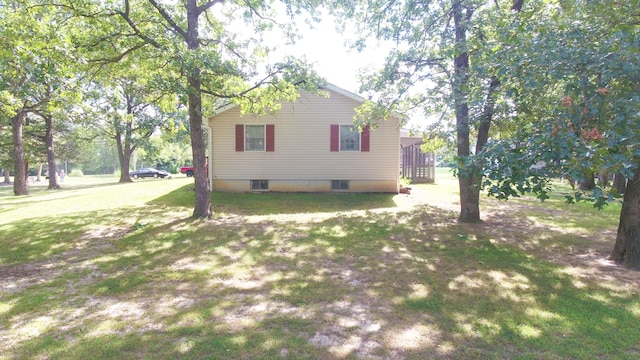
259	185
254	138
349	138
340	185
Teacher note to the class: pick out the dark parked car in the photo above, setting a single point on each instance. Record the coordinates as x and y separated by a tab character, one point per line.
148	172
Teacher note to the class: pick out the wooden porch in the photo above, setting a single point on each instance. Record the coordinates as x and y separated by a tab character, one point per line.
416	165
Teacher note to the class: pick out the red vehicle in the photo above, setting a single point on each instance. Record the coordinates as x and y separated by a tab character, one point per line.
188	170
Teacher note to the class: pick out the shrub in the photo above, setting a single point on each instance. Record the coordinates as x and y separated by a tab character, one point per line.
76	173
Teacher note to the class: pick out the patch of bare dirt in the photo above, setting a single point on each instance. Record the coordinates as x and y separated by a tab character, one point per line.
76	260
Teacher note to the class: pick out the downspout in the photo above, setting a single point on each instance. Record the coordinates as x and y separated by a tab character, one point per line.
209	156
398	156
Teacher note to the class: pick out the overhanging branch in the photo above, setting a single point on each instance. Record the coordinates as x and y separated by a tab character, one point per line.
202	8
169	19
264	81
126	16
120	56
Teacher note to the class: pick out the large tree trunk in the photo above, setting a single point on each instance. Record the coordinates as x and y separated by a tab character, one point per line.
471	210
124	155
125	161
487	115
39	174
603	179
51	155
619	183
203	200
26	172
589	181
467	179
627	247
20	172
470	175
124	139
202	207
7	176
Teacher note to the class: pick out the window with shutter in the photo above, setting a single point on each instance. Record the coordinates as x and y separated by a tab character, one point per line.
255	138
348	138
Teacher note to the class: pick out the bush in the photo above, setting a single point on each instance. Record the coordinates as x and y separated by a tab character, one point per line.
76	173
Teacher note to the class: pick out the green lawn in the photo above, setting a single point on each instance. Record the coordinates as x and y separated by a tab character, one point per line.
119	271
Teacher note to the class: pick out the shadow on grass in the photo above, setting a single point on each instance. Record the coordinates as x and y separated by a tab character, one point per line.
403	285
35	240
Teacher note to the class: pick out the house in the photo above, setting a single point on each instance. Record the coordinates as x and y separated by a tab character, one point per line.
309	145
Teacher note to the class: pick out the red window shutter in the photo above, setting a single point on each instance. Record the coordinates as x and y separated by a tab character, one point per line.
239	137
364	138
270	138
335	137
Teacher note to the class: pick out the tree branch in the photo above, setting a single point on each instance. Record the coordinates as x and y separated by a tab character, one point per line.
34	107
257	13
68	6
487	114
119	57
202	8
169	19
260	83
126	16
517	5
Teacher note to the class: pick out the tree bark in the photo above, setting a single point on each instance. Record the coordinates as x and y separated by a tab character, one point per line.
124	152
124	137
51	155
603	179
7	176
517	5
202	208
467	178
589	181
26	172
627	247
619	183
39	174
20	172
487	115
470	177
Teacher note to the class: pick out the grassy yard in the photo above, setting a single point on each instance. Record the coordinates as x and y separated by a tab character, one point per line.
119	271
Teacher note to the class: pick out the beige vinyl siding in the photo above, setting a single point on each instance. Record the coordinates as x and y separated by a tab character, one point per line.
302	148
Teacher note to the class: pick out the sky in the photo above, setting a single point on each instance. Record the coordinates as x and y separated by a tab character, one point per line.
325	48
339	65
